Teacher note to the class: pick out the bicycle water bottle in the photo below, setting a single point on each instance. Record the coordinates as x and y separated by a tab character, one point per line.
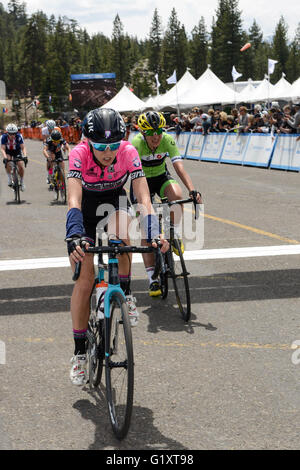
100	291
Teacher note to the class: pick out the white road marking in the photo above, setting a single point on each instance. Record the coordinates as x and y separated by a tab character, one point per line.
196	255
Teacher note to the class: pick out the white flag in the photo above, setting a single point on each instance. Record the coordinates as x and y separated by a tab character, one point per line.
172	79
235	74
157	81
271	66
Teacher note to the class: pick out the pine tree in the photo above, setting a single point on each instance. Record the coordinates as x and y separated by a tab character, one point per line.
174	49
33	52
155	44
293	62
119	59
280	49
199	49
226	39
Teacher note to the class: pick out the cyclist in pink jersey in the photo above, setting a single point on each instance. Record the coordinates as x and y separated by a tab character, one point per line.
98	170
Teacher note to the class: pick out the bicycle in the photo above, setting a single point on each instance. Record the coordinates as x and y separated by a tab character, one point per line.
175	267
59	181
15	177
109	338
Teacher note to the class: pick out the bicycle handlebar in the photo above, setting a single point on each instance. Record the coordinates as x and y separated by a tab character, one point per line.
183	201
159	264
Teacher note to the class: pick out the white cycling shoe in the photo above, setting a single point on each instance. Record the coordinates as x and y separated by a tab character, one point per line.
132	310
78	373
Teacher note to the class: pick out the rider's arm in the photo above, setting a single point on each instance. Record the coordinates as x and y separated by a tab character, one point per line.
66	147
185	177
3	150
46	151
23	148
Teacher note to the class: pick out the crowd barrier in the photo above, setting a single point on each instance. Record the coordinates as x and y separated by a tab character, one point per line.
281	151
71	134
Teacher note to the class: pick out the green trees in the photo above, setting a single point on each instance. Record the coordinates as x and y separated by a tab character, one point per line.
39	53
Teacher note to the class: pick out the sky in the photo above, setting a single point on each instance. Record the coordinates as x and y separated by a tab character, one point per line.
136	15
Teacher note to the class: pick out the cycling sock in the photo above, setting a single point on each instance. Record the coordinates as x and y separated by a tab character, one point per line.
79	340
150	272
125	283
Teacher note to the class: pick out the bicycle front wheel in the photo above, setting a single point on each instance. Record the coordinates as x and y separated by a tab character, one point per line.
16	186
119	371
179	275
95	350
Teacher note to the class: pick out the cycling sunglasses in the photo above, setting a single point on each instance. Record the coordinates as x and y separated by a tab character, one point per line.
103	147
151	132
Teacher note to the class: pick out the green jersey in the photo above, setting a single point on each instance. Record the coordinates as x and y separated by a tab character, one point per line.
154	163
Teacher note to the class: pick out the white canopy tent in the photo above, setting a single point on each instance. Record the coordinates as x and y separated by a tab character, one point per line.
169	99
152	102
282	90
207	90
245	96
125	101
295	90
263	92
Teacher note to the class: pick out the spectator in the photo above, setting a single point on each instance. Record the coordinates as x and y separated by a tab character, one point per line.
295	122
205	124
242	119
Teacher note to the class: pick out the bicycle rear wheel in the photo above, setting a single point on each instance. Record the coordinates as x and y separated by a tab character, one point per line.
179	275
62	187
119	369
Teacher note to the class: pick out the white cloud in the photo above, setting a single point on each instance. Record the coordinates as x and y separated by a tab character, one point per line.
137	15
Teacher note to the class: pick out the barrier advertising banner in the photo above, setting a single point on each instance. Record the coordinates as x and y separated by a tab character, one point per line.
181	141
235	148
286	154
259	150
213	146
195	145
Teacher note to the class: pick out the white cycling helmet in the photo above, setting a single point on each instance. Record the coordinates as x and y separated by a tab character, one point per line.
11	128
50	124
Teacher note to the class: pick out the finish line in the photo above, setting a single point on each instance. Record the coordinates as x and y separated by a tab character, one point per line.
196	255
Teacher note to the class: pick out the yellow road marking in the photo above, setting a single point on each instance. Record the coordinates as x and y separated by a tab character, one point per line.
166	343
230	345
36	161
251	229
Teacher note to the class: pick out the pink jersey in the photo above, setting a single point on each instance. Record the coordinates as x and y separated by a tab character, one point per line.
99	183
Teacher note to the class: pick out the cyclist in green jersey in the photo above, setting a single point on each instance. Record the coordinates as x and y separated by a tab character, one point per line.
155	147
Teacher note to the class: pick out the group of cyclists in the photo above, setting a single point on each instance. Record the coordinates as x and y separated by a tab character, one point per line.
99	167
13	148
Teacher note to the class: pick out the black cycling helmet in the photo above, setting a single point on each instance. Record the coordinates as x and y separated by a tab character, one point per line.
104	125
56	135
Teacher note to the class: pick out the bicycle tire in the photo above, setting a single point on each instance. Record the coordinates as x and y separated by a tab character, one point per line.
164	283
55	179
95	350
16	186
119	370
179	275
62	186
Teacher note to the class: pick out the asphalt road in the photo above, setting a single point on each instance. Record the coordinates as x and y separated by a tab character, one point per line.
226	380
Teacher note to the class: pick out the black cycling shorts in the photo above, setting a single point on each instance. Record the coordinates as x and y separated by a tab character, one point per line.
157	185
90	223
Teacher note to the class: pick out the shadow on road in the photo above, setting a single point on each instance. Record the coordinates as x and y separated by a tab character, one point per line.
142	432
226	287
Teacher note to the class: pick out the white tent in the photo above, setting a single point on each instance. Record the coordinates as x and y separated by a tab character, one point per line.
263	92
152	102
207	90
183	85
245	96
125	101
282	90
295	91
